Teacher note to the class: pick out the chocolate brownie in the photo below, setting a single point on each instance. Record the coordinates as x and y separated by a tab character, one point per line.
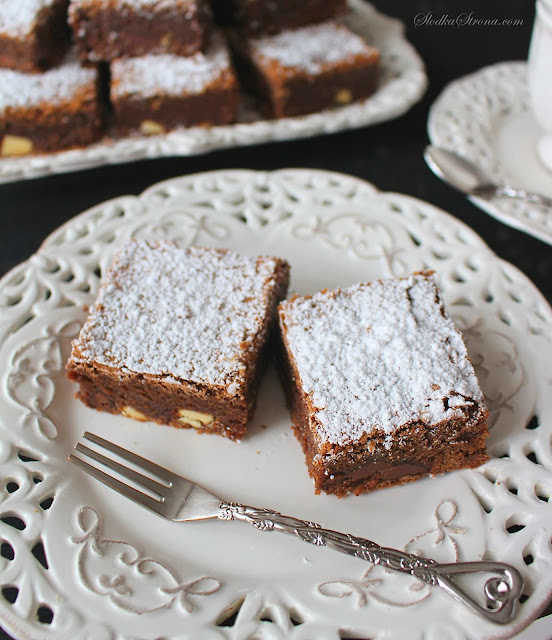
155	93
380	386
272	16
108	29
50	111
33	34
179	336
306	70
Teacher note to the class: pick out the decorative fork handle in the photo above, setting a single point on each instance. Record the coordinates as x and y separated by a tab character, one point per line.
501	592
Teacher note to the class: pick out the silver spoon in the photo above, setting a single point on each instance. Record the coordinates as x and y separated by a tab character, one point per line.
470	179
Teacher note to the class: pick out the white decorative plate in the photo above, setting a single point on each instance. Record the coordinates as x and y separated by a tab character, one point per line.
402	84
116	571
486	118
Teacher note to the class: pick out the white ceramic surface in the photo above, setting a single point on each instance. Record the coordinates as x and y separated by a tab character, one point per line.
402	83
119	572
486	117
541	629
540	77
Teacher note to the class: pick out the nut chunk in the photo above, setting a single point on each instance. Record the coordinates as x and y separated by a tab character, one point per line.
179	336
380	385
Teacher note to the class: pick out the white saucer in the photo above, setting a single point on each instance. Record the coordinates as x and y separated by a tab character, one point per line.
486	118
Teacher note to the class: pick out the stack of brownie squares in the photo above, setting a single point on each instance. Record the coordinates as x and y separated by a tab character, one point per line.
169	64
48	99
68	63
75	70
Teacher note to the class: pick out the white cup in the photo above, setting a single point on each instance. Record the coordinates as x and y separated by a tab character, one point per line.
540	77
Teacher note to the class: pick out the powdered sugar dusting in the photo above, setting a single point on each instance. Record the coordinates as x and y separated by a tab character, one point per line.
151	75
311	48
379	356
17	17
55	86
188	314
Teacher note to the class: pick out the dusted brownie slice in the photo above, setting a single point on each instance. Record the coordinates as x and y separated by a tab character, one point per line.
107	29
260	16
179	336
50	111
308	69
152	94
380	386
33	34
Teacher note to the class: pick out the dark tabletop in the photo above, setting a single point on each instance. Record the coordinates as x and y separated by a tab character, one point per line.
388	155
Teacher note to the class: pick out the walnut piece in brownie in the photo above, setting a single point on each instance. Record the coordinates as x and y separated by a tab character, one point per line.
107	29
34	35
155	93
306	70
380	386
50	111
179	336
272	16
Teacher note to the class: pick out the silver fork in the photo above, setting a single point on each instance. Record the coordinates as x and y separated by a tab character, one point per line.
176	498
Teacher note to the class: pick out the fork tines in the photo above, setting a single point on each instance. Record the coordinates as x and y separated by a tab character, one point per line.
156	487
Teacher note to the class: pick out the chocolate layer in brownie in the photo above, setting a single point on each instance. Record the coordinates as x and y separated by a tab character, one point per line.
50	111
107	29
153	94
380	386
306	70
180	336
272	16
34	35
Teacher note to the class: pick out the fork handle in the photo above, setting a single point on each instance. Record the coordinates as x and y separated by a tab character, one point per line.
501	591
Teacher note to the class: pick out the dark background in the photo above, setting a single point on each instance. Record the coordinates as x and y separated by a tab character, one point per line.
388	155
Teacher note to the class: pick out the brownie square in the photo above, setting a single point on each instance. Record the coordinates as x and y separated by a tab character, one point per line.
306	70
50	111
262	16
107	29
155	93
34	35
380	386
179	336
